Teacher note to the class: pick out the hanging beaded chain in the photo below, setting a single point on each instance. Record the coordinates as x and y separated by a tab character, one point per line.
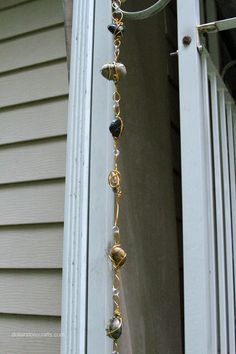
115	71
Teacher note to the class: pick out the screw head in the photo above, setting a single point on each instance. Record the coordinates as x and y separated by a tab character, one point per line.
187	40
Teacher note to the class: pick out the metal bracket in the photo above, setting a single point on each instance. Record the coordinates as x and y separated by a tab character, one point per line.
146	13
218	26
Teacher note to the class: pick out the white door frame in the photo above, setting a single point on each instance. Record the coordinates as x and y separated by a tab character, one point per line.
194	155
86	304
88	200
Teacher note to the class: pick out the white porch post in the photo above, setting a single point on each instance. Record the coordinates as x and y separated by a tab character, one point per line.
195	178
88	203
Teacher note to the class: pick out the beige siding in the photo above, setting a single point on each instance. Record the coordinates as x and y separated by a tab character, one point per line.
32	49
30	203
41	159
29	334
33	84
31	292
30	16
10	3
33	115
33	121
31	246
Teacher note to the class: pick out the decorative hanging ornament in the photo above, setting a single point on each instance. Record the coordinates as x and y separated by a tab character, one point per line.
117	256
116	30
114	329
114	180
116	128
116	71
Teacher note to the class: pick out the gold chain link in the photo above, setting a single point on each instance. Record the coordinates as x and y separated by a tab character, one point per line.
117	17
115	71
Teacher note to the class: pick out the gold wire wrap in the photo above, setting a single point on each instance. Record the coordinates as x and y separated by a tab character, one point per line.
117	255
116	298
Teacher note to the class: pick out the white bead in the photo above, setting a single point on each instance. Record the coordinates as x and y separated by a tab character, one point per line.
116	292
116	152
116	229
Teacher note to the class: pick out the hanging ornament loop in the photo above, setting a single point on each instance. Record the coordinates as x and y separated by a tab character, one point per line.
146	13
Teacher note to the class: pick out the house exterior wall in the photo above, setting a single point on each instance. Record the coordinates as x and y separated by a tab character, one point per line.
151	225
33	110
33	114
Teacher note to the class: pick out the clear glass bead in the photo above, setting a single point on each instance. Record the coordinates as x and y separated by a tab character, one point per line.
116	229
116	292
116	152
116	108
116	105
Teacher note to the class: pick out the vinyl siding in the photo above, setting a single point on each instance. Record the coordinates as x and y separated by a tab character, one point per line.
13	328
31	246
33	115
33	49
30	16
32	161
33	84
33	121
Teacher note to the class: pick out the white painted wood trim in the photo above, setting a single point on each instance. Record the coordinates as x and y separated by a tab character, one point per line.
227	223
74	300
194	185
86	303
219	214
101	196
211	214
230	119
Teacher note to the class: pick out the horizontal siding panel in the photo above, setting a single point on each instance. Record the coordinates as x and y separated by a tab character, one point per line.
31	246
29	17
44	159
32	49
8	3
32	203
29	335
30	292
33	121
34	84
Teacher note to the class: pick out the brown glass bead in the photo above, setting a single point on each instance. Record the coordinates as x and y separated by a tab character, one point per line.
118	256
